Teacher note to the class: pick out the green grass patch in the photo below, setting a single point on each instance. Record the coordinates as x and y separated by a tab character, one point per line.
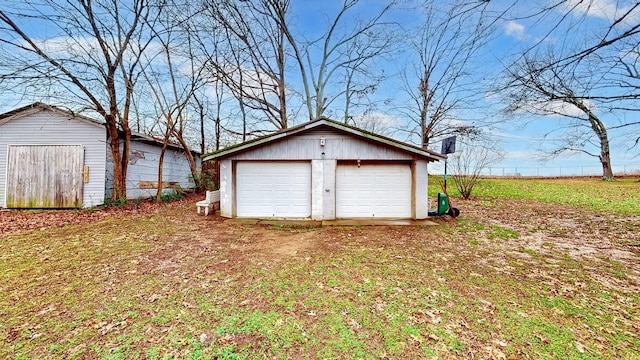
169	286
621	196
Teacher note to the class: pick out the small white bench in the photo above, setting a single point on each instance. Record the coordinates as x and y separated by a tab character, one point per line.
211	201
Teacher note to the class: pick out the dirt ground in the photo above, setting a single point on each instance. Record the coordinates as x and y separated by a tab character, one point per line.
545	228
581	233
215	249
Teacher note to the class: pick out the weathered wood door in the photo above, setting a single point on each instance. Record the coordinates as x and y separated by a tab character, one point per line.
45	176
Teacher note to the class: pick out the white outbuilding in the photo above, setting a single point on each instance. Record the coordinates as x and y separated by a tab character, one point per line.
324	170
53	158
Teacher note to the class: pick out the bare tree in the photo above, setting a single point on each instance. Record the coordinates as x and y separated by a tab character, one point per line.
536	87
182	77
344	50
448	41
565	15
360	81
96	56
473	155
627	76
262	39
257	47
609	35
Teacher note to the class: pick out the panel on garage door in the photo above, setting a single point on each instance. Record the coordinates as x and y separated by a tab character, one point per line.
45	176
373	190
273	189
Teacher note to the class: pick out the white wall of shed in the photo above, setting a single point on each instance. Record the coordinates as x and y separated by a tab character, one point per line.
420	193
51	128
143	166
226	188
338	145
329	183
317	189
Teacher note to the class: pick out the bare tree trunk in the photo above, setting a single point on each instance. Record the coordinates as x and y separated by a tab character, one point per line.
124	164
537	83
607	172
160	168
118	181
202	134
218	128
600	130
188	154
424	110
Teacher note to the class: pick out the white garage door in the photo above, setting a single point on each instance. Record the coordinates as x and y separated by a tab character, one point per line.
273	189
373	190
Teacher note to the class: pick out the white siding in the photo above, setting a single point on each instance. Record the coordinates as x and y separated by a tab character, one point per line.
421	197
338	145
227	190
143	167
50	128
317	189
329	189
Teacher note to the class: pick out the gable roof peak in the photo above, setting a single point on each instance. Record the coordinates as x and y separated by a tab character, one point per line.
324	121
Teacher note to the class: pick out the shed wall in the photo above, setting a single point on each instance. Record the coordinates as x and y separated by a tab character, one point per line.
143	169
50	128
306	146
227	190
421	177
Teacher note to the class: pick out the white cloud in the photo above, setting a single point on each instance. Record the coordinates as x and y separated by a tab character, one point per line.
515	30
561	108
376	122
505	135
604	9
64	45
554	108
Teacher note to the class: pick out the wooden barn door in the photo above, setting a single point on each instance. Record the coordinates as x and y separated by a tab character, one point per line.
45	176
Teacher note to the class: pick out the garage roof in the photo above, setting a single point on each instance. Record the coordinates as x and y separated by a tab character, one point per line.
357	132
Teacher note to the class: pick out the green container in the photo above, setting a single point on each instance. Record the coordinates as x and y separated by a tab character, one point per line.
443	204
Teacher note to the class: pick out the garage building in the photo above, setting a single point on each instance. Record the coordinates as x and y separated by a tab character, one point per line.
324	170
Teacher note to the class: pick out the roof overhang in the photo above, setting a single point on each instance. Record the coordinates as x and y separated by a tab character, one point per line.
357	132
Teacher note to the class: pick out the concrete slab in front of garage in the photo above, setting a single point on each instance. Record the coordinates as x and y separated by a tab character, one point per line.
374	222
341	222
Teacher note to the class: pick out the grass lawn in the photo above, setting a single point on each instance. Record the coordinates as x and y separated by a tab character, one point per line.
532	269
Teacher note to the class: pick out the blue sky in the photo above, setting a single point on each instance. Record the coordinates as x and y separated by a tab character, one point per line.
526	139
522	140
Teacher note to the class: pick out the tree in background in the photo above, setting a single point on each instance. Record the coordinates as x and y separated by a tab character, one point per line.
590	47
255	70
541	86
443	82
95	61
473	155
262	40
570	16
344	50
174	74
